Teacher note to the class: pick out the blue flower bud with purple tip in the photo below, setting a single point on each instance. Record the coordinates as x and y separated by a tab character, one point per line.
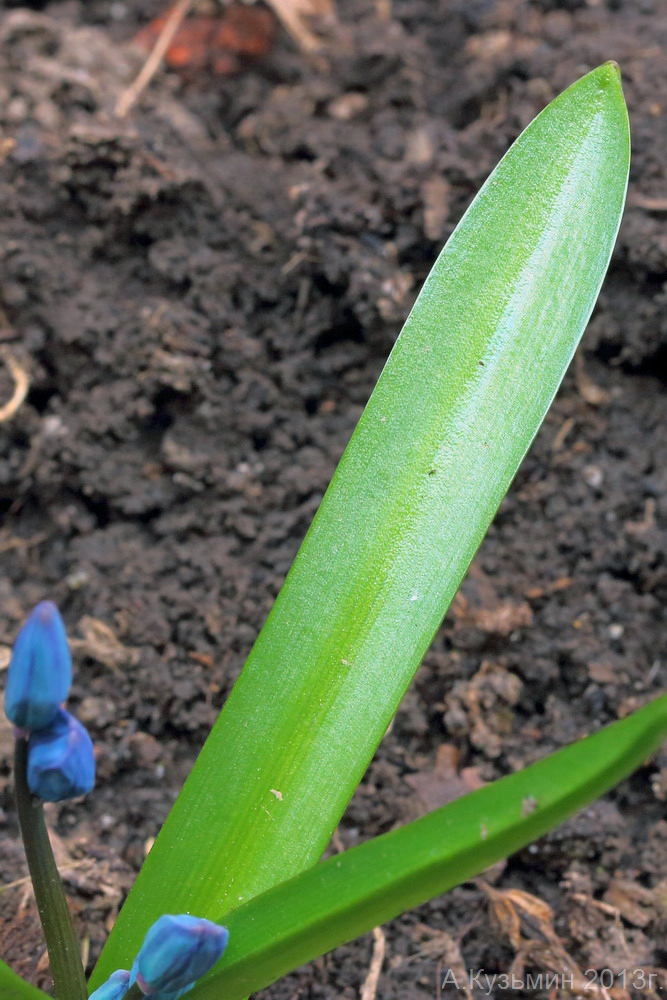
61	762
40	671
176	952
115	987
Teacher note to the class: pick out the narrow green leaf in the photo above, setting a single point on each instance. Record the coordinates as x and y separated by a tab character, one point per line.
12	987
461	397
353	892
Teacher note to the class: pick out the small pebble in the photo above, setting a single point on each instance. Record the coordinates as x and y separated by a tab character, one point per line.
593	476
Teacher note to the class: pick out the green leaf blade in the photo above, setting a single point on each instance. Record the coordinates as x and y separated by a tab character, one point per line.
461	397
13	987
349	894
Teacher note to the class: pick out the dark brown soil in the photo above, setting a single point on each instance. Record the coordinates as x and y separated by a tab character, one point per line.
203	295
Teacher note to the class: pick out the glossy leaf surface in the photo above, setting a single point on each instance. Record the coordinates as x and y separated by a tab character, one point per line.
458	403
351	893
12	987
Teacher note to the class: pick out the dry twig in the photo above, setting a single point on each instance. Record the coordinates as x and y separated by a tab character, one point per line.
21	385
370	988
129	97
10	543
26	882
648	203
295	15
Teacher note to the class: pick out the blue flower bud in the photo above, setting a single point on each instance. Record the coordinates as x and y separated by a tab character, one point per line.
40	671
61	762
115	987
176	952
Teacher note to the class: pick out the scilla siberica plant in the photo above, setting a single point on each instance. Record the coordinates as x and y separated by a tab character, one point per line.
456	408
54	761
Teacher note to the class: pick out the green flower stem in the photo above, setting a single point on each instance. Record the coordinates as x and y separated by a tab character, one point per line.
66	968
134	993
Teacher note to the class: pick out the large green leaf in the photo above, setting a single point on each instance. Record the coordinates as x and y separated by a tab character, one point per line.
458	403
350	893
12	987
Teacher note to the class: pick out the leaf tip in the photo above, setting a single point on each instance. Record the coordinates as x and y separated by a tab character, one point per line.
612	70
608	78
